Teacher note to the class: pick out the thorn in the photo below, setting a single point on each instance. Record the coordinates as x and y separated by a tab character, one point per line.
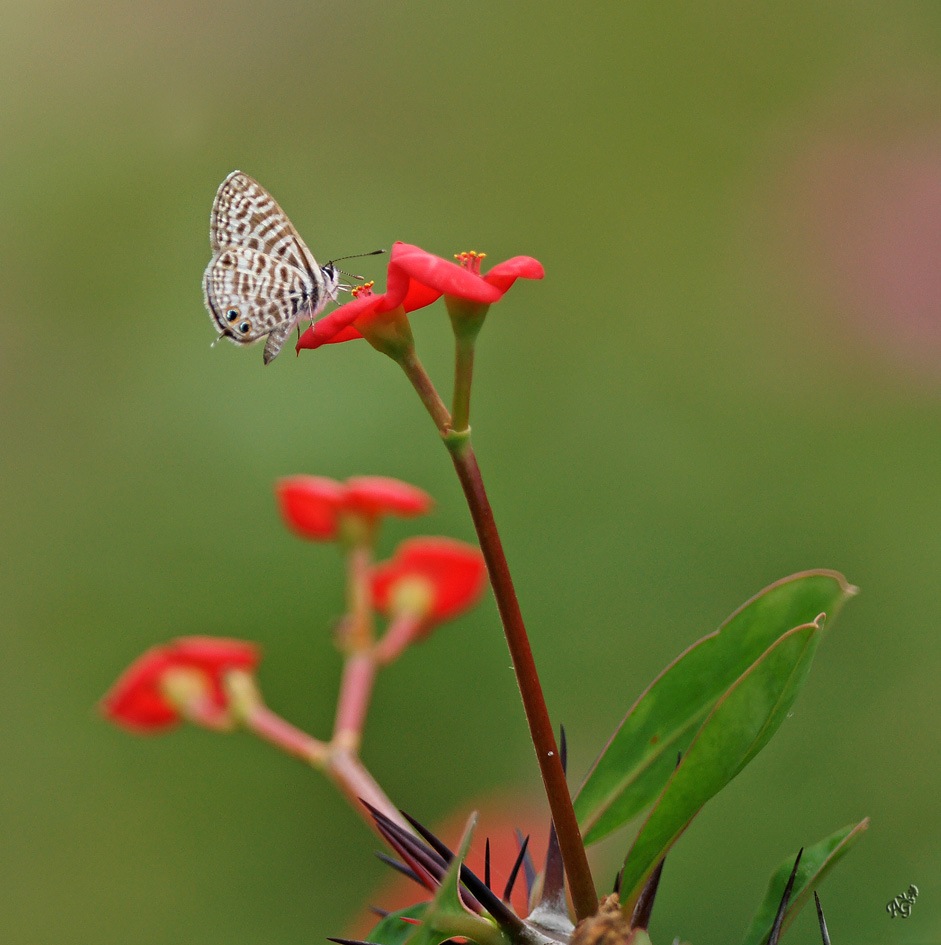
511	882
399	867
529	868
823	922
553	877
563	749
480	896
487	864
429	867
782	908
641	917
617	882
347	941
382	913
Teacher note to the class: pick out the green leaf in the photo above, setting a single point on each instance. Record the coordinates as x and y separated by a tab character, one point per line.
739	726
641	754
815	863
393	930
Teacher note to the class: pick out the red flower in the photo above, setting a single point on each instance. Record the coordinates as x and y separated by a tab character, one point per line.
414	279
146	697
314	506
432	579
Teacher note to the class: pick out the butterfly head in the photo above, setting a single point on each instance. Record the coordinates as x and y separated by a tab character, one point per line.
331	281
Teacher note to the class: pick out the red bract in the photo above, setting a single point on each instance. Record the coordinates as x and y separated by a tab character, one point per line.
380	495
314	506
434	579
310	505
139	700
463	280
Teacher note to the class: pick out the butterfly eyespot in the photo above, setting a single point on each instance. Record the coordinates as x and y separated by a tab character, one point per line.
231	314
243	328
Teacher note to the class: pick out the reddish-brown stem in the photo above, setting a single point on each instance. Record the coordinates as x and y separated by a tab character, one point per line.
426	390
577	871
581	885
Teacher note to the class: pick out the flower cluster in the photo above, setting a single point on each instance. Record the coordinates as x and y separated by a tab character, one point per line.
415	279
426	582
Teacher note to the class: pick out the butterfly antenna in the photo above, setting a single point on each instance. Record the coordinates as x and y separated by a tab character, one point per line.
374	252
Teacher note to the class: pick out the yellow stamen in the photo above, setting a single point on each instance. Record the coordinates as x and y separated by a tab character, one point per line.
470	260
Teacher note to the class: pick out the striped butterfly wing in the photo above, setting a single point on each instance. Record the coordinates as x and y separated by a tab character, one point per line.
244	214
251	295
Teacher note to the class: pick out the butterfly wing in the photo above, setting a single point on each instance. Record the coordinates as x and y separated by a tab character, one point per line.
250	295
244	214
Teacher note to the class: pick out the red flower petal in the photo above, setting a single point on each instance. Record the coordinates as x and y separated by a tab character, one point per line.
401	289
338	322
504	274
350	333
378	495
136	701
418	296
455	571
310	505
441	275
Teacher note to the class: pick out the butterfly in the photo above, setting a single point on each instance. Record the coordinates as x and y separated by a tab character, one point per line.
262	279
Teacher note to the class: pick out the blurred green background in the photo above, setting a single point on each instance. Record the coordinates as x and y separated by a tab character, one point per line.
731	372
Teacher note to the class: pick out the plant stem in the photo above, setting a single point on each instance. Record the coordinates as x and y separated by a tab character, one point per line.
577	871
350	775
359	633
340	764
399	634
463	377
581	885
359	661
359	674
415	372
275	730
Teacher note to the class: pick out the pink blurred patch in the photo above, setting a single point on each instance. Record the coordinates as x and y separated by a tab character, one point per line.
869	212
